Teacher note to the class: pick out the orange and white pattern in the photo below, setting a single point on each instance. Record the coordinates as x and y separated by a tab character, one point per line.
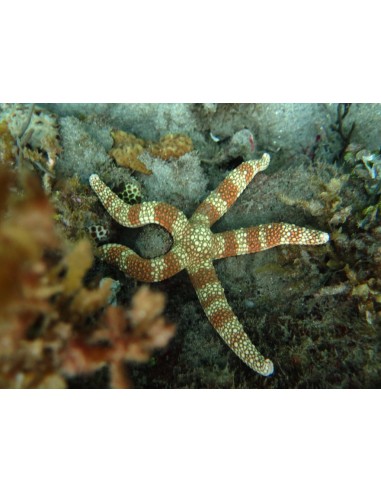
195	247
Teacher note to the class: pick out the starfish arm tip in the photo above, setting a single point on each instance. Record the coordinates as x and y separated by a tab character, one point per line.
268	368
265	161
93	178
325	237
321	238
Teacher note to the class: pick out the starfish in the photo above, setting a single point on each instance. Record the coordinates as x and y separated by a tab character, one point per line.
195	247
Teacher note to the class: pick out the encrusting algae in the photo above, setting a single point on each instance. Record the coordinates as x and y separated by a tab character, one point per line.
171	146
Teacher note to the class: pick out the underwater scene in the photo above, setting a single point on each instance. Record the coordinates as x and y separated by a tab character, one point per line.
190	245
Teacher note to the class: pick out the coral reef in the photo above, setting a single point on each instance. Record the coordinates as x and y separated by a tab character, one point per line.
74	209
35	139
282	129
316	313
82	152
350	202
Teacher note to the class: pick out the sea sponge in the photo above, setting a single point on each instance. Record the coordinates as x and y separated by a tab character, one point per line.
184	178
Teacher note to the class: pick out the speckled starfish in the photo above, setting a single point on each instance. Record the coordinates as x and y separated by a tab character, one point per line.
195	247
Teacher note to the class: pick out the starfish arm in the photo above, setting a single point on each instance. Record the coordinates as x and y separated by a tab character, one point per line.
142	269
212	298
253	239
223	197
169	217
